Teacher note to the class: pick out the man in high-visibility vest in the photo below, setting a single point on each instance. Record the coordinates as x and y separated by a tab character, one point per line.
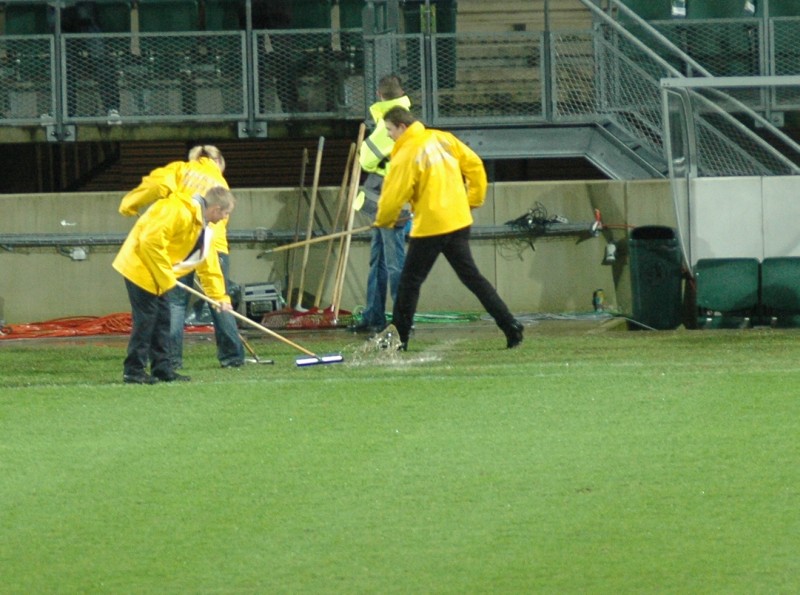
387	247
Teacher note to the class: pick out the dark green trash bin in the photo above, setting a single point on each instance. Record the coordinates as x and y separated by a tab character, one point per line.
656	280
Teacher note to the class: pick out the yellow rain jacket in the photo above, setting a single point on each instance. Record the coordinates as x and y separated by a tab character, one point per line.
162	238
186	177
441	177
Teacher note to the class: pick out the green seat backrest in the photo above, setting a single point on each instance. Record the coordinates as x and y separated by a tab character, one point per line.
311	14
782	8
168	16
780	283
727	284
224	15
650	10
27	18
113	16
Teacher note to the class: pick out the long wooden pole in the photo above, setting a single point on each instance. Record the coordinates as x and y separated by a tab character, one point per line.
246	320
290	259
310	225
318	239
354	180
335	223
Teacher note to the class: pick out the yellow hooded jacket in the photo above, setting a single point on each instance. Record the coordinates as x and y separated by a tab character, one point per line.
441	177
163	237
186	177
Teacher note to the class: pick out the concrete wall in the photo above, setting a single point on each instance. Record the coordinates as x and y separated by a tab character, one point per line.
560	275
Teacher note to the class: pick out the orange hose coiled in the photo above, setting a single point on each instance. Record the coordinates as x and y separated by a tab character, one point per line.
75	326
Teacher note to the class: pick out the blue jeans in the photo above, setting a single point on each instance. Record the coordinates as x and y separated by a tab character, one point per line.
149	341
230	351
387	255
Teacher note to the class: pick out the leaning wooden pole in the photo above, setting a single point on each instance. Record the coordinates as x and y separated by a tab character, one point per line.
354	180
339	209
291	258
310	224
318	239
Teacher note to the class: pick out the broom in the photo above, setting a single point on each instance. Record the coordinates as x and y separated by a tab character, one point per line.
311	358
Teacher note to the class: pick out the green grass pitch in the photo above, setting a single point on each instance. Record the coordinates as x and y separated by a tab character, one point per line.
586	461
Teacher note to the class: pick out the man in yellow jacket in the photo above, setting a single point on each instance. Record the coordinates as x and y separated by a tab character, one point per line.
429	171
172	238
387	252
203	171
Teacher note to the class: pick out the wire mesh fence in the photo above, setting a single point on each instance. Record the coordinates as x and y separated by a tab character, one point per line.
309	74
573	75
726	145
27	81
488	77
629	91
453	78
784	58
153	76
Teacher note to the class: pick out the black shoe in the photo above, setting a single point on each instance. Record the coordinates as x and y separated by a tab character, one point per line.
365	328
138	379
403	346
174	377
514	334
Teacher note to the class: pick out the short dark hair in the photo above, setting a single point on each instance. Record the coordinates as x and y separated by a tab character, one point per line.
399	115
390	87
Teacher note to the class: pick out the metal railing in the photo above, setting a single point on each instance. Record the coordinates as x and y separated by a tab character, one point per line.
455	79
730	123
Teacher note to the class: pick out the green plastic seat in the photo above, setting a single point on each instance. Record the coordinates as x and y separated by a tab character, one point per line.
727	285
311	14
651	10
718	9
113	16
780	284
783	8
224	15
156	16
26	18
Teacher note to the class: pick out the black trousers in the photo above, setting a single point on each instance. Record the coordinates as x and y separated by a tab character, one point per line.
149	340
420	258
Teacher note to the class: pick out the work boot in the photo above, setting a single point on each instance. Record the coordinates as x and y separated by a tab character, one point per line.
141	378
514	334
174	377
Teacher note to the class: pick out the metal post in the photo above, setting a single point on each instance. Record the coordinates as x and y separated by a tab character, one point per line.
58	132
251	128
546	65
429	81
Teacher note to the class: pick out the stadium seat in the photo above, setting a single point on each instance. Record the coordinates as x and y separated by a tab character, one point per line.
113	16
780	289
727	290
718	9
650	10
223	15
784	8
311	14
157	16
26	18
